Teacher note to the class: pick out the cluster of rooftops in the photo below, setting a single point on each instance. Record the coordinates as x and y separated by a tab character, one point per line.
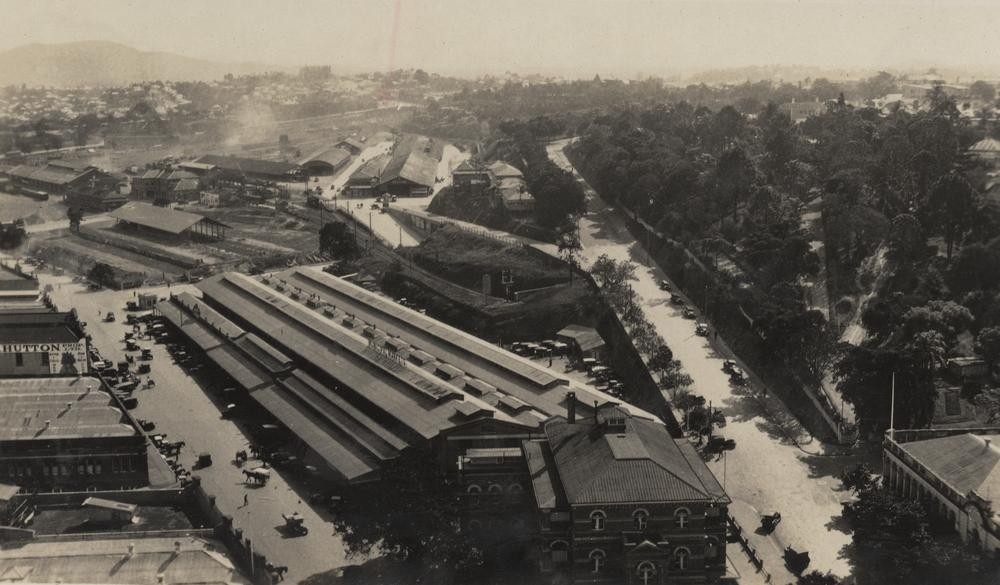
361	378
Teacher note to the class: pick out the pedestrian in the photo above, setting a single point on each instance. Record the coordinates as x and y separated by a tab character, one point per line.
246	500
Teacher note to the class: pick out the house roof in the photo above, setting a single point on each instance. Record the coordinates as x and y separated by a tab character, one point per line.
965	462
599	463
501	170
986	145
353	143
160	218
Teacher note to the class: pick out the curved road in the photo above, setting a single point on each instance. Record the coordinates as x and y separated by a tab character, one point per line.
769	470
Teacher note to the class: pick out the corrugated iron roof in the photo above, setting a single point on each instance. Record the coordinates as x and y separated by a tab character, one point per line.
965	462
641	463
160	218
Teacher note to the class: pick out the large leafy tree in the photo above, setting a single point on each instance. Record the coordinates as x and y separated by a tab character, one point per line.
335	238
952	203
864	378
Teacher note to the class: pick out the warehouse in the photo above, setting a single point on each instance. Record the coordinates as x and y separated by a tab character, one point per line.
362	182
361	381
411	171
67	433
41	342
170	223
235	167
326	162
58	178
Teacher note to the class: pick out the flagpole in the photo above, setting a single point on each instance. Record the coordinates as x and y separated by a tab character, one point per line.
892	410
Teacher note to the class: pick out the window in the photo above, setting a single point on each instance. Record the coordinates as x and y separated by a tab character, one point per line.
646	572
681	556
560	551
474	490
495	488
515	488
597	519
475	525
18	360
641	518
45	359
597	557
711	547
682	517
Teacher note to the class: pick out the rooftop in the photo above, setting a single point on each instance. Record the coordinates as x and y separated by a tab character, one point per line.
39	325
587	338
252	166
160	218
410	162
601	463
331	156
179	559
59	408
965	462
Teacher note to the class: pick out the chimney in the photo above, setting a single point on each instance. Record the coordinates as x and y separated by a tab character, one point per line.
571	407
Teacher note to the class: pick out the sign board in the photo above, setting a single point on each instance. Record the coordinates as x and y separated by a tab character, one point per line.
64	358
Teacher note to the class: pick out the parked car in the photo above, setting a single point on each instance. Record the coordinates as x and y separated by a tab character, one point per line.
676	300
688	313
701	329
728	365
738	376
664	285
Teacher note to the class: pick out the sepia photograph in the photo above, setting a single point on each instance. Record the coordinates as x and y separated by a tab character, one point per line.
500	292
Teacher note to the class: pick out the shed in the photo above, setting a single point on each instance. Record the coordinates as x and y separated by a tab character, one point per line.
584	342
168	221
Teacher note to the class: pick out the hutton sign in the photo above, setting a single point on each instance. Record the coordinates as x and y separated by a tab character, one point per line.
64	358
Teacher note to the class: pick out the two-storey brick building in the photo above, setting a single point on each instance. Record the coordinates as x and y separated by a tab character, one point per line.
621	501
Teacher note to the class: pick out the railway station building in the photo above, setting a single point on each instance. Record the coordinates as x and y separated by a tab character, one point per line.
533	456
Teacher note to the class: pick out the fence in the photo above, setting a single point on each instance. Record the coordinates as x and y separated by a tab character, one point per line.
748	548
818	410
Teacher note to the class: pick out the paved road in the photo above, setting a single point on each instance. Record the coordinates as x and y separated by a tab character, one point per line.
182	409
769	471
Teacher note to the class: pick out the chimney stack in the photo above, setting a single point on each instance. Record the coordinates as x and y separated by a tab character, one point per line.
571	407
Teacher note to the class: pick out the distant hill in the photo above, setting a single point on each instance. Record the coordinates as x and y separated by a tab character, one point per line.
101	63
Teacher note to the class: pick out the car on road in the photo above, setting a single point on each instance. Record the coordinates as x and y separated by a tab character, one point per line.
701	329
677	300
738	376
664	285
688	313
728	365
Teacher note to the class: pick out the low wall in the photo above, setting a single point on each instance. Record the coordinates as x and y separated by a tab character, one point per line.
138	247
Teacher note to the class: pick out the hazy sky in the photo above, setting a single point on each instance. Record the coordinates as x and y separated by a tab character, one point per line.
569	37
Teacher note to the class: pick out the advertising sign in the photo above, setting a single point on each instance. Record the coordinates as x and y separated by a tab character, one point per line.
64	358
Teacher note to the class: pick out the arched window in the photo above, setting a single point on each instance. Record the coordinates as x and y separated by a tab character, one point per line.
597	518
646	572
681	556
560	551
473	490
711	547
495	488
515	488
597	557
475	525
682	517
641	518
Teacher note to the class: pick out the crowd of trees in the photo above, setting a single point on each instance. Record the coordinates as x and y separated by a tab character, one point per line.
733	189
557	194
897	540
